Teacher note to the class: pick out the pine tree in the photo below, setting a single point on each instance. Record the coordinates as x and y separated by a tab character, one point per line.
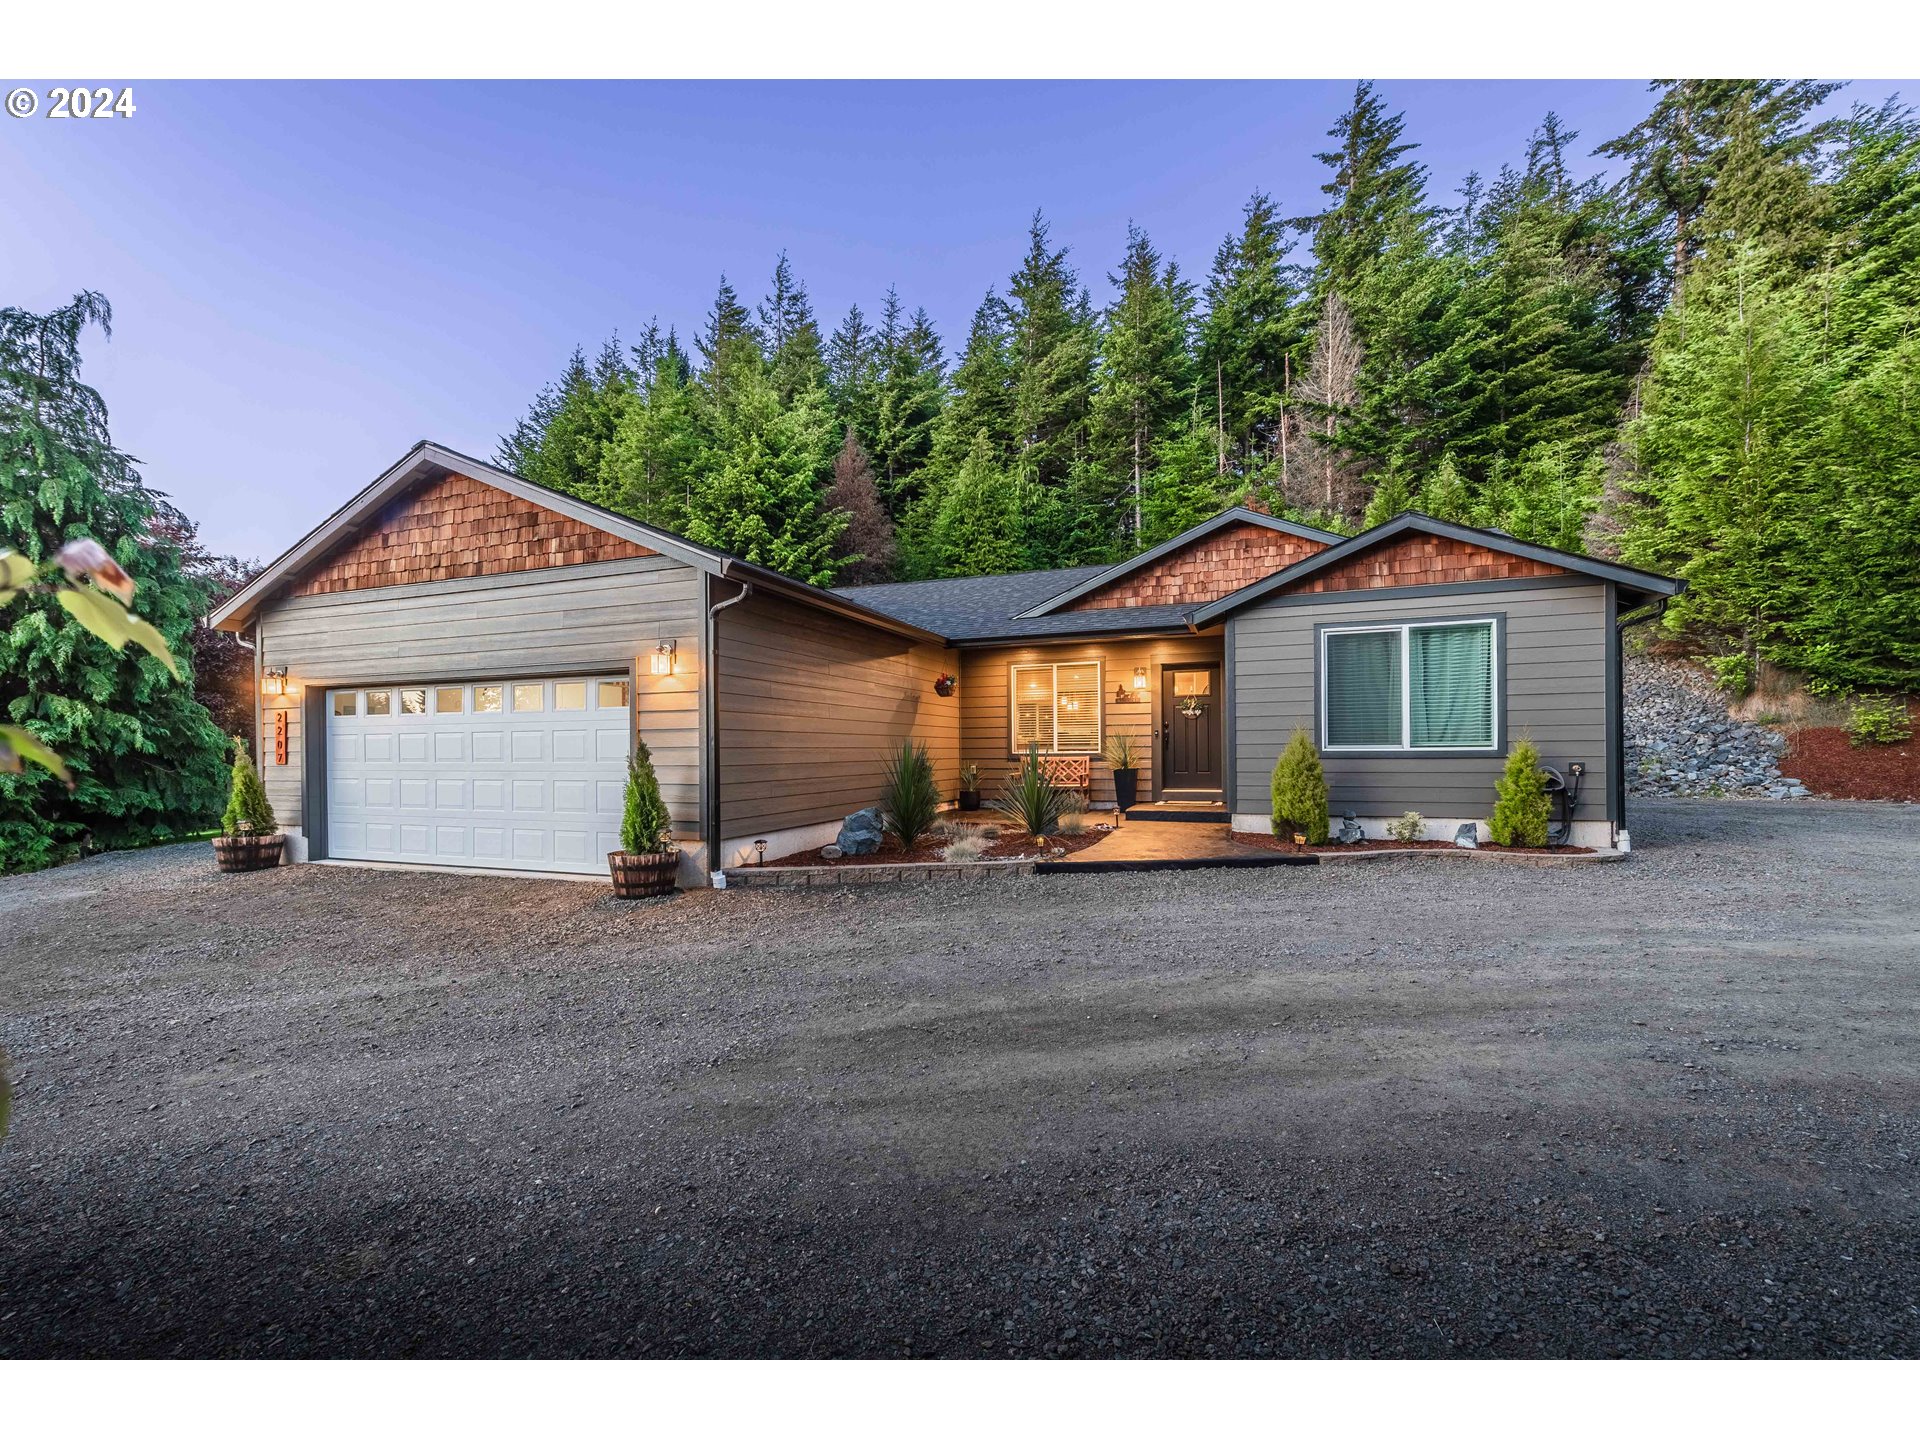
1371	191
1392	496
1252	325
853	373
865	550
791	336
730	355
146	759
1444	494
978	525
1051	349
1143	382
562	442
910	399
659	452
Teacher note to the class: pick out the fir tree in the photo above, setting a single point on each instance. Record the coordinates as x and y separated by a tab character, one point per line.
730	355
1051	345
146	759
865	550
1392	496
1522	808
1245	340
562	442
659	452
1144	379
978	526
909	401
1300	791
1444	494
791	336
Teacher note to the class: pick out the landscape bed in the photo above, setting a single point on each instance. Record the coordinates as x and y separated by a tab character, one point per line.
1829	763
1010	845
1333	847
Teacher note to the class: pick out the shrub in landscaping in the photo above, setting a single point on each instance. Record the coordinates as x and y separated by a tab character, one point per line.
1030	799
909	795
1074	822
1300	791
1732	673
248	812
964	849
645	825
1408	828
1879	720
1521	808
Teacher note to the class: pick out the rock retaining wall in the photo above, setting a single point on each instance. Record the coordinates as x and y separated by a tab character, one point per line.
1681	741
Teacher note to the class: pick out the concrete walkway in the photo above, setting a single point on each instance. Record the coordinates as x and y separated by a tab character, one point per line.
1162	840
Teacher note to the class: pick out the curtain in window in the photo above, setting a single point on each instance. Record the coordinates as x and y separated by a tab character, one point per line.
1450	672
1363	688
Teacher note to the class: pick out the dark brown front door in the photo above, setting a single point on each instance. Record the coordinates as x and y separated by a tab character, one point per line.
1190	728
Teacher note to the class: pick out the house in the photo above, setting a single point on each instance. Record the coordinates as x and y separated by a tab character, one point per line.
453	666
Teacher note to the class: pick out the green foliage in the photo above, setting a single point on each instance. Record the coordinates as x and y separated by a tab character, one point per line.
1521	808
1031	800
645	826
1121	752
1733	673
248	811
1411	826
82	676
1300	791
909	794
969	775
1880	720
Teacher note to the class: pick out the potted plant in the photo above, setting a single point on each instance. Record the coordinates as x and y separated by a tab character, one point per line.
944	683
1126	771
249	837
647	861
969	786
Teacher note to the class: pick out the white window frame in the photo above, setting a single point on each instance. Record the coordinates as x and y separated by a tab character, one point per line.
1406	746
1099	704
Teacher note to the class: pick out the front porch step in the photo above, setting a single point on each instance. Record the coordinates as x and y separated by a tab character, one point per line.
1204	812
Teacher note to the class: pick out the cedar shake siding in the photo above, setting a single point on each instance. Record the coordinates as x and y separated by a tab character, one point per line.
810	707
1207	570
574	620
1419	559
986	714
1554	636
455	528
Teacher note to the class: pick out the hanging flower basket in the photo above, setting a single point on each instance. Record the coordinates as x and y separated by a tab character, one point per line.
945	684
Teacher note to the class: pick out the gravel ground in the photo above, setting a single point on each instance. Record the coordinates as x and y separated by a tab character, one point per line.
1663	1108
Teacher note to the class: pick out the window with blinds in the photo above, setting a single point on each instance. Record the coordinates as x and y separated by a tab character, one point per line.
1057	707
1408	687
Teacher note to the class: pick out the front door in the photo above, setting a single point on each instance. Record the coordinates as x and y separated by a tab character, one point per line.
1190	728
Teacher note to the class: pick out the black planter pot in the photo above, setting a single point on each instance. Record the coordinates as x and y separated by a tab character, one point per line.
1126	787
640	877
969	799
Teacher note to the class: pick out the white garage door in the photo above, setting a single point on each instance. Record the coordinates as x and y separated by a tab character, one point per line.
508	774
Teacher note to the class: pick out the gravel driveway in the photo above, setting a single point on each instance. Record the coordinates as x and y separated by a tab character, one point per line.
1664	1108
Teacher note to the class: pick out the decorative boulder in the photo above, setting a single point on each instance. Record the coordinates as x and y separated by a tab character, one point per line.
831	852
1351	831
861	832
1467	837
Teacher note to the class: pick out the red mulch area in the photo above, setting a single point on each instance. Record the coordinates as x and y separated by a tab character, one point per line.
1287	847
1012	845
1822	759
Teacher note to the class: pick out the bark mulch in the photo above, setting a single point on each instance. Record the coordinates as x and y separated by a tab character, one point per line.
1827	763
1287	847
1012	845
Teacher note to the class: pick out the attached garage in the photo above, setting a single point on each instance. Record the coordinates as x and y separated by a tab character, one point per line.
505	774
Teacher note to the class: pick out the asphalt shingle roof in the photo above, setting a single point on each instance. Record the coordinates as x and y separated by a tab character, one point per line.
972	607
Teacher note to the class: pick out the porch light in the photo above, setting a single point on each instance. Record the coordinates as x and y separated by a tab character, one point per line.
1140	678
273	680
663	658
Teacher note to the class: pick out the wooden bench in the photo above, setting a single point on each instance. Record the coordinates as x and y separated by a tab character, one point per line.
1069	772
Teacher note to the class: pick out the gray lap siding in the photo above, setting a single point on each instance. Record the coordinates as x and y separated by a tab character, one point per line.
1555	639
577	619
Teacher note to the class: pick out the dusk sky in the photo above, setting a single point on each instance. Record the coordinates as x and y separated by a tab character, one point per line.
307	278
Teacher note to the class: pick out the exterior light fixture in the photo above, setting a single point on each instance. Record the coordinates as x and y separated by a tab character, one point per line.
273	680
759	852
1140	678
663	658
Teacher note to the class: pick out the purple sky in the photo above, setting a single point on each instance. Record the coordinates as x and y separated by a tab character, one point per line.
307	278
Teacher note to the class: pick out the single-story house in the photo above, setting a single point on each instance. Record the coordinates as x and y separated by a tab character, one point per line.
454	665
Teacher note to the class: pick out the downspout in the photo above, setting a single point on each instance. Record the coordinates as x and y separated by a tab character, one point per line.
710	728
1616	702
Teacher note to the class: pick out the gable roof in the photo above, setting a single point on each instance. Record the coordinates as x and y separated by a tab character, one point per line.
969	605
427	461
1238	515
1639	582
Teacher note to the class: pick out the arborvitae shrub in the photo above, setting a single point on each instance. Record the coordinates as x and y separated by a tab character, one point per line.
1521	809
247	803
645	826
1300	791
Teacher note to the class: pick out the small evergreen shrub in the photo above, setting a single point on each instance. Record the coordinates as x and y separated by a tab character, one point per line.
1732	673
909	795
248	810
1521	808
645	825
1300	791
1408	828
1029	799
1879	720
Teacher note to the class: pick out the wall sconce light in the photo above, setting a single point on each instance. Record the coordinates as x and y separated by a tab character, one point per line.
273	680
1140	678
663	658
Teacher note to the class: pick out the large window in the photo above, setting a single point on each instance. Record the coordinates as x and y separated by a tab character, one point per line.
1424	686
1057	707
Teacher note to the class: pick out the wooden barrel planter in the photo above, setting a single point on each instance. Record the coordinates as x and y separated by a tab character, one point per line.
235	853
640	877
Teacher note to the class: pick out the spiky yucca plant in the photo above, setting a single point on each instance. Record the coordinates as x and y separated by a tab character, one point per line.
910	796
1030	799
